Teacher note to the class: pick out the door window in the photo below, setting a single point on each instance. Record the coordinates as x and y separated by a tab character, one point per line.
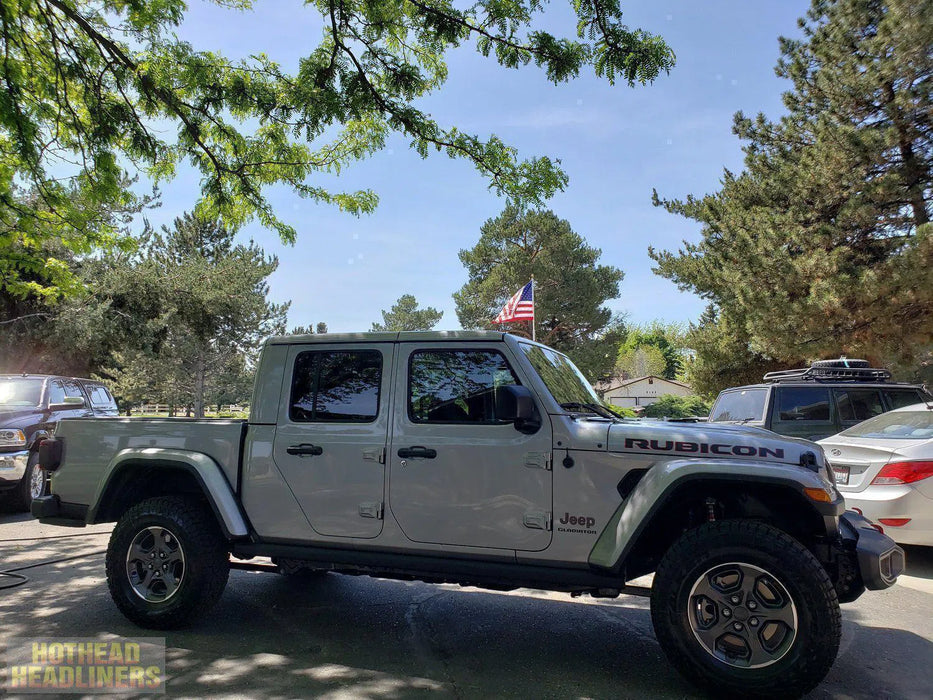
858	404
803	403
456	386
338	386
56	393
72	390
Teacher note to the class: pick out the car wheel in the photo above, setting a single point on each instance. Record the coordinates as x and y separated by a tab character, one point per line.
32	485
167	562
38	479
742	608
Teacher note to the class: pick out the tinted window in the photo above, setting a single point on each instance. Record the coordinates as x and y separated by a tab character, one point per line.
560	375
101	397
72	390
747	404
898	425
898	398
56	393
803	403
858	404
336	386
456	386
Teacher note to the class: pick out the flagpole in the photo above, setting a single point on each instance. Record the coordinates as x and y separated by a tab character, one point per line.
533	312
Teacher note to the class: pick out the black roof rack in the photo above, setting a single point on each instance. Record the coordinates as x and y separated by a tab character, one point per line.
851	374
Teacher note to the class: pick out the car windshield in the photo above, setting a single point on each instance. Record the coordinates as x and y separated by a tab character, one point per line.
20	391
896	425
742	405
562	378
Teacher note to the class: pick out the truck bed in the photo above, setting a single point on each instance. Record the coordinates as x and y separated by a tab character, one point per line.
91	444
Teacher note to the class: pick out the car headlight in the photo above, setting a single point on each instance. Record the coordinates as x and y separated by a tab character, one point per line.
12	438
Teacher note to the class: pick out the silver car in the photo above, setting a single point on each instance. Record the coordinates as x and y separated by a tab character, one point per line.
884	468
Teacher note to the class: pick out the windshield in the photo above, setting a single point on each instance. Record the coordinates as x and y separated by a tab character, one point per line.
562	378
743	405
897	425
20	391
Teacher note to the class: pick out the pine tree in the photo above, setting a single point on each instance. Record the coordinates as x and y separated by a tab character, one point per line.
406	316
571	287
823	244
213	313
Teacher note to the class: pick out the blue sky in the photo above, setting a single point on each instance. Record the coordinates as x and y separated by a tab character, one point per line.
615	142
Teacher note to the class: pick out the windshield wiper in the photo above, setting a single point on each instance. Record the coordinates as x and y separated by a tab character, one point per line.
592	407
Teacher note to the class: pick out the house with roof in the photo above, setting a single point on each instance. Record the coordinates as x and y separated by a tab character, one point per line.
639	391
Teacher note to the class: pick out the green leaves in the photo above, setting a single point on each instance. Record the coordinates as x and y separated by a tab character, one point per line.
89	88
406	316
571	287
819	247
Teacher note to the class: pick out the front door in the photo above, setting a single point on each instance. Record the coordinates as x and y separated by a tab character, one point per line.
330	441
459	475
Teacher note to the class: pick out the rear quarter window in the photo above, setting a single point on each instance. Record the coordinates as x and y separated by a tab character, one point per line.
898	398
100	397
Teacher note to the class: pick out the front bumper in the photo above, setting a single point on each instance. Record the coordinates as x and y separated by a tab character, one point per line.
13	468
865	558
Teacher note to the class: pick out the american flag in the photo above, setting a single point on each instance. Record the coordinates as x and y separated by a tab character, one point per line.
521	307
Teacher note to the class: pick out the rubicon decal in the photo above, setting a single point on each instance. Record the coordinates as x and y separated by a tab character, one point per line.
703	448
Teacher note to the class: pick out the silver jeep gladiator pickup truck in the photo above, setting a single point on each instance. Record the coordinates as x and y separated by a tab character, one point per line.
482	459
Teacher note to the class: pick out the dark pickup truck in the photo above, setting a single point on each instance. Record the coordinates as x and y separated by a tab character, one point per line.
30	406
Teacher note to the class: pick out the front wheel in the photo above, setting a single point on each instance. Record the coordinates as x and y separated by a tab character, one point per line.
167	562
33	484
743	608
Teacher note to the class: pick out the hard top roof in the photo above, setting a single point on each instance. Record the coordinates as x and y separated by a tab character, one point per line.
403	336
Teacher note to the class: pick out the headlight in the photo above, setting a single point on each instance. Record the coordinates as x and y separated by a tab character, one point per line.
12	438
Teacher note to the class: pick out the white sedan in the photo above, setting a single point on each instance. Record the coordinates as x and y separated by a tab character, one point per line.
884	469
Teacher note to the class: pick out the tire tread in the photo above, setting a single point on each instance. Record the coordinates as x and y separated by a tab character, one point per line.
821	605
206	555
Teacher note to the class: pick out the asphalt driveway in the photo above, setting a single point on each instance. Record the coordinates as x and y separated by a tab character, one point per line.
355	637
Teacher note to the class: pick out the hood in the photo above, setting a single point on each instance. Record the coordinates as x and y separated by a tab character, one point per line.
14	417
717	440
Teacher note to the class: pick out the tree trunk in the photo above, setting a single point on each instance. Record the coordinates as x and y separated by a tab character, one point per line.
200	372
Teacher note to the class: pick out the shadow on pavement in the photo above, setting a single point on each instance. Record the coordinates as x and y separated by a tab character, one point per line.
343	636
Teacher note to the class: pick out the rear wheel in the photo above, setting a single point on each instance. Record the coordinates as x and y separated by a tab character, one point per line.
742	608
167	562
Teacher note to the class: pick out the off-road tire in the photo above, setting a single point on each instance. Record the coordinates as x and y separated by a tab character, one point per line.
207	561
20	497
819	624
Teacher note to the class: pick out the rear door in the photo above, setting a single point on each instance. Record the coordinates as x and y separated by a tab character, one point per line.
803	411
330	439
459	475
855	404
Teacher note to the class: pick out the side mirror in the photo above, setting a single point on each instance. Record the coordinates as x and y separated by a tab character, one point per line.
69	402
515	403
